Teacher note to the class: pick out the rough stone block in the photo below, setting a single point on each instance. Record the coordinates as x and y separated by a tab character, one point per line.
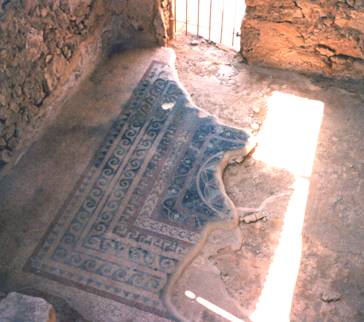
324	37
42	50
17	307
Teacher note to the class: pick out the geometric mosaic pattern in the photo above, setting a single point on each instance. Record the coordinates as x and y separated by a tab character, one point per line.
144	199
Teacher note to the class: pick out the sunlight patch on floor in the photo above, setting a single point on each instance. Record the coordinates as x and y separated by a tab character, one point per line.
212	307
288	141
289	136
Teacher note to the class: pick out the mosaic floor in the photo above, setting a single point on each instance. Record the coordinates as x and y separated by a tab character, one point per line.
143	201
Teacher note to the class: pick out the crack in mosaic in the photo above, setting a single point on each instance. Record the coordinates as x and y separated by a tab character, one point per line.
144	199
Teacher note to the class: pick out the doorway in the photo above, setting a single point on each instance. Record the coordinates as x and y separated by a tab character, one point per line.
218	21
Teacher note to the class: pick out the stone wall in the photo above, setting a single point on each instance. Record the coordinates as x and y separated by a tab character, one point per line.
136	23
314	36
48	46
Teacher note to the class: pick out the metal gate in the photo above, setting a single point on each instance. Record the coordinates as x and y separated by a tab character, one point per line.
216	20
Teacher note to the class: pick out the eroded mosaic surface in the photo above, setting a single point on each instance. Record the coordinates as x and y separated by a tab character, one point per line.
143	201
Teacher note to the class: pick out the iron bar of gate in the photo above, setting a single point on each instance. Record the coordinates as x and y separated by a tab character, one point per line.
175	16
222	20
198	18
235	8
210	20
186	17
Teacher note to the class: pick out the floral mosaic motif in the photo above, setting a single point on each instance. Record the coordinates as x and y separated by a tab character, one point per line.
143	201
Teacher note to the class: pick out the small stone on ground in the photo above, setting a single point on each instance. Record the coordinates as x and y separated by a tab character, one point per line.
17	307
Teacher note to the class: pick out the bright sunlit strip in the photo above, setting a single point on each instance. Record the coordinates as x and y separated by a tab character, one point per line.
212	307
168	106
288	141
276	299
289	136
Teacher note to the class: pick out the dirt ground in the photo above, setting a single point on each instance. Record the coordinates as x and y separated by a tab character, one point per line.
235	265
